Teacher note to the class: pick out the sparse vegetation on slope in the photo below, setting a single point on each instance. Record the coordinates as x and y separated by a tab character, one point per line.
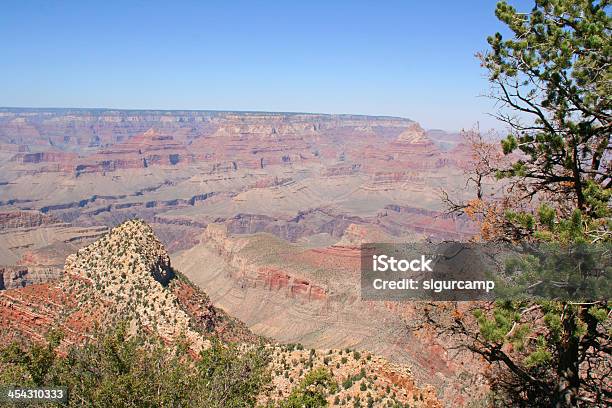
121	370
165	345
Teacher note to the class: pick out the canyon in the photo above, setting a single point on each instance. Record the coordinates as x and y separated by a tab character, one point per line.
265	212
126	276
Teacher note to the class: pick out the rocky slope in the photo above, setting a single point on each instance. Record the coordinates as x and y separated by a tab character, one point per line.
363	378
310	293
126	275
25	219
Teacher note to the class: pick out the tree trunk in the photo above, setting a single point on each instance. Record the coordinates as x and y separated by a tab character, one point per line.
568	383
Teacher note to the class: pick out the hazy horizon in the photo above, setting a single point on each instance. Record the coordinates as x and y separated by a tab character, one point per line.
263	112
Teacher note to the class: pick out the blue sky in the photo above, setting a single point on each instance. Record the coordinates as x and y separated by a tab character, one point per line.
407	58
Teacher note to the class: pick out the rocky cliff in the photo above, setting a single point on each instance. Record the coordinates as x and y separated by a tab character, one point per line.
293	175
82	141
25	219
265	211
127	276
12	277
298	292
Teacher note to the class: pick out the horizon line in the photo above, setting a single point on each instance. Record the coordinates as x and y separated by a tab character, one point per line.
55	108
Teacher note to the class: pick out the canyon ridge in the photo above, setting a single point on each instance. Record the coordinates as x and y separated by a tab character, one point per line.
263	212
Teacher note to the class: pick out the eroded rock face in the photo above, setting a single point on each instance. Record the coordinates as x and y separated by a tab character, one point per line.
25	219
34	246
127	276
122	276
96	142
13	277
129	268
414	134
298	293
257	274
305	223
292	175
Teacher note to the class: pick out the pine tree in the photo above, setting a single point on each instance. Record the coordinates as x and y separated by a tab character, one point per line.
552	79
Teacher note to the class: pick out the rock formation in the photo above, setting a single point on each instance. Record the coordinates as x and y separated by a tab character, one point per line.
265	211
126	276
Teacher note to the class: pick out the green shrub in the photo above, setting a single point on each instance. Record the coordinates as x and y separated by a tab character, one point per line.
140	371
312	391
